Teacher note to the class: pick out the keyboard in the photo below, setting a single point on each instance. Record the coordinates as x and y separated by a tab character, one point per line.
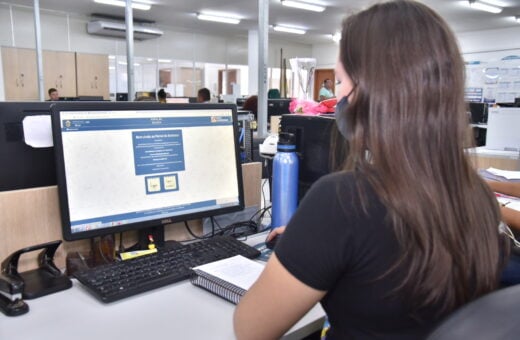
119	280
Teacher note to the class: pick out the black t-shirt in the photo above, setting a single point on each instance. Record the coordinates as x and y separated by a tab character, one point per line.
330	244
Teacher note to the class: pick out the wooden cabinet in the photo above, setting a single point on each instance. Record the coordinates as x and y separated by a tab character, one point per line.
92	75
20	73
59	72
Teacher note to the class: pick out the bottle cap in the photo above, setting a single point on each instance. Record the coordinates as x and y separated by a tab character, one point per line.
286	141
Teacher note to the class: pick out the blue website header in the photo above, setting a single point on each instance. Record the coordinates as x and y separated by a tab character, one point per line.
96	124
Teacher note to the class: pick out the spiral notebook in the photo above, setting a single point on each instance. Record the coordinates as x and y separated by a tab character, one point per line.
229	278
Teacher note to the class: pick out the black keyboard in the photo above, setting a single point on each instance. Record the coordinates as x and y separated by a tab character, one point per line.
118	280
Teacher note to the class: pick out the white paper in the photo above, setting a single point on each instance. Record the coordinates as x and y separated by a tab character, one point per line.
238	270
505	173
37	131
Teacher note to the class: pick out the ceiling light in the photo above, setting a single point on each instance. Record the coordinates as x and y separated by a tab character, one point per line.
227	20
517	18
484	7
303	5
120	3
289	29
164	60
495	3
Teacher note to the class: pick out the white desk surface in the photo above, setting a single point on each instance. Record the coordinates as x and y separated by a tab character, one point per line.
178	311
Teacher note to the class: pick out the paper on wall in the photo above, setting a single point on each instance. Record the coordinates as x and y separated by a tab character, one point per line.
37	131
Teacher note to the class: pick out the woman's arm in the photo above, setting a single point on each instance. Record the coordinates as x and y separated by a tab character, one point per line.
273	304
511	217
507	188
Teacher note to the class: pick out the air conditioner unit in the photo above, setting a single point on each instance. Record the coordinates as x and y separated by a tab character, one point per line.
117	29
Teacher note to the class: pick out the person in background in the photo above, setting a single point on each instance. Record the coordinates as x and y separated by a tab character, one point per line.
326	90
53	94
408	231
161	95
203	95
251	104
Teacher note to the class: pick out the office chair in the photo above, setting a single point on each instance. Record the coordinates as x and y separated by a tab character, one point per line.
494	316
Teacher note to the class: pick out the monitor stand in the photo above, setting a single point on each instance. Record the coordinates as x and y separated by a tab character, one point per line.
156	232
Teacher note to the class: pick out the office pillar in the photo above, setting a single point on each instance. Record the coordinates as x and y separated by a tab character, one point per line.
129	18
263	43
252	60
39	62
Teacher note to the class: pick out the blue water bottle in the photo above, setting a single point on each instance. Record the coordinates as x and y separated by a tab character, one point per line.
285	180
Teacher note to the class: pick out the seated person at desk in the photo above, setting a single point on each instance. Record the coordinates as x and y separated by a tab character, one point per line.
53	94
363	241
203	95
326	90
251	104
161	95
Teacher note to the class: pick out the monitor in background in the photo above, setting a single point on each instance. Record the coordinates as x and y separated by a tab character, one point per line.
241	101
320	146
478	112
123	166
517	102
278	107
122	97
178	100
90	98
23	166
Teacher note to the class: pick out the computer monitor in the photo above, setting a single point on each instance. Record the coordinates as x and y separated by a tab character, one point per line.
278	107
123	166
322	149
23	166
478	112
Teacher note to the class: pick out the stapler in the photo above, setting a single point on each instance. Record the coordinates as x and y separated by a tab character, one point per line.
11	289
46	279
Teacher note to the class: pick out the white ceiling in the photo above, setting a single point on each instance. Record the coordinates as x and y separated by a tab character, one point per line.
180	15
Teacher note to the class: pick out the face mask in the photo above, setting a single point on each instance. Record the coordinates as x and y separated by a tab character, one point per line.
341	116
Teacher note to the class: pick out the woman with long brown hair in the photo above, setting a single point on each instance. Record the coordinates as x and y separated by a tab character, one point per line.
408	231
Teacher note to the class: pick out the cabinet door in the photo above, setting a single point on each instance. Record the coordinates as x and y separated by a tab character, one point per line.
59	72
92	75
20	73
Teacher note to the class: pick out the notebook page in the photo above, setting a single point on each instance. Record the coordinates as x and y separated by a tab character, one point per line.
238	270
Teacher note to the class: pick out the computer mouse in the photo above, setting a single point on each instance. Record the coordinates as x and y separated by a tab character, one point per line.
272	242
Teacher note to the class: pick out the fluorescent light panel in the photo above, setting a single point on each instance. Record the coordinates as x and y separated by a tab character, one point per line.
303	5
484	7
494	3
289	30
226	20
120	3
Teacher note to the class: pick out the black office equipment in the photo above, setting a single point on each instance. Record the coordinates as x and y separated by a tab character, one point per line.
23	166
123	279
478	113
321	147
278	107
125	166
121	96
90	98
44	280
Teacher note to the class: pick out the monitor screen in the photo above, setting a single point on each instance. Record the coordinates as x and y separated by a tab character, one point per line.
23	166
124	166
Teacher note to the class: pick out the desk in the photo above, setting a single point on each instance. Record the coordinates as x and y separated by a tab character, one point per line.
178	311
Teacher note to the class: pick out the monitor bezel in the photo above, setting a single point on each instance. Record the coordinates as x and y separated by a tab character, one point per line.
122	106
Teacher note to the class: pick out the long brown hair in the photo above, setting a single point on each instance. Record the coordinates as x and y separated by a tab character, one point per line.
407	131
